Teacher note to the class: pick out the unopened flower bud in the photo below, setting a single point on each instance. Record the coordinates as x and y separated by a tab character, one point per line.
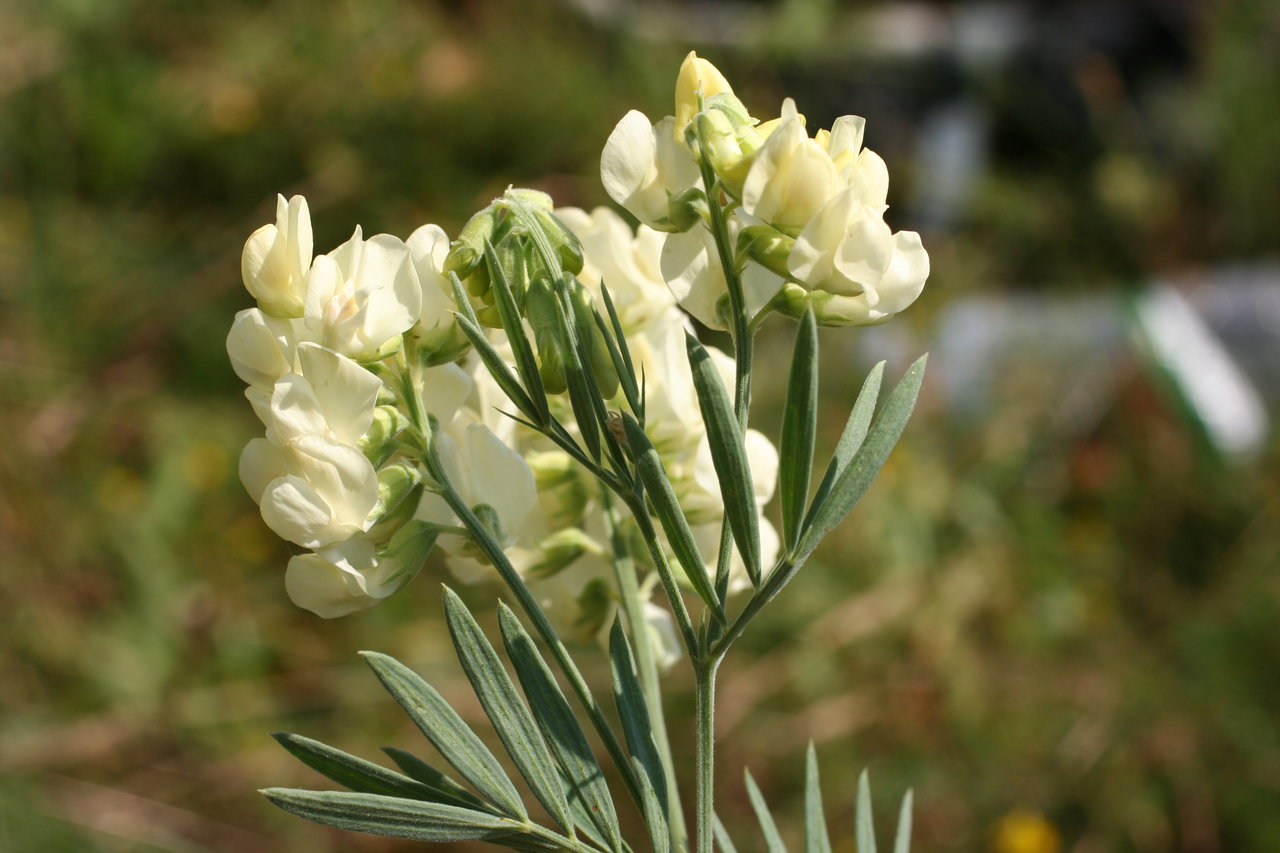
597	349
767	246
559	550
686	209
543	313
379	442
395	483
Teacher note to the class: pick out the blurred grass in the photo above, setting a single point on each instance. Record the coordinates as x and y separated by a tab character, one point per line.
1017	621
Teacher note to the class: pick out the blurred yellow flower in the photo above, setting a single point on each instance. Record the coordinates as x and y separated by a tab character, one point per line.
1025	831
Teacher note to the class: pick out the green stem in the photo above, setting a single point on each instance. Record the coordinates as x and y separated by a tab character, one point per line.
493	550
633	606
705	703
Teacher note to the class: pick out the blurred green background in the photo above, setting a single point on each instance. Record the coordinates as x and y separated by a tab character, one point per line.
1060	629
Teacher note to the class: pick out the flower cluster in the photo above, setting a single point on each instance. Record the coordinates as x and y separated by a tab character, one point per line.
806	212
342	346
334	473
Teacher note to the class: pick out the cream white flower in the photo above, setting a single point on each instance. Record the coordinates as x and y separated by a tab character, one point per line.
332	396
791	176
851	268
696	79
313	491
483	470
362	296
691	267
437	330
629	264
276	257
643	165
261	347
341	579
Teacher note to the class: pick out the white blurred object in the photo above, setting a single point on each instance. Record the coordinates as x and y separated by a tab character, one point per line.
1215	388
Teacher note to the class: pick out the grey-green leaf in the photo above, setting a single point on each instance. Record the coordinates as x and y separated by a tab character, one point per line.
851	437
633	711
728	456
447	732
799	430
772	840
722	837
447	790
662	495
852	481
498	369
902	841
511	719
397	817
816	839
655	811
864	828
357	773
560	727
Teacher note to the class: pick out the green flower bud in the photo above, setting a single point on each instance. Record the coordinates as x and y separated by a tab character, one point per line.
686	209
767	246
379	442
408	549
559	551
466	254
600	362
562	494
543	313
395	483
443	345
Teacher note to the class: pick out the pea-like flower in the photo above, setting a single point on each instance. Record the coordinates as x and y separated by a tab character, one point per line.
276	258
313	491
362	296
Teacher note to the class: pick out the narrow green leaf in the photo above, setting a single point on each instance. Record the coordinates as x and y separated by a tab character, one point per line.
447	790
356	773
447	732
772	840
662	495
560	727
851	437
621	353
864	827
816	839
728	456
583	394
852	482
633	711
511	719
902	841
513	325
654	811
722	837
498	369
461	300
396	817
799	429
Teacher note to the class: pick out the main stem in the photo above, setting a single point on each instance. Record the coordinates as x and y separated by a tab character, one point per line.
642	645
705	707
